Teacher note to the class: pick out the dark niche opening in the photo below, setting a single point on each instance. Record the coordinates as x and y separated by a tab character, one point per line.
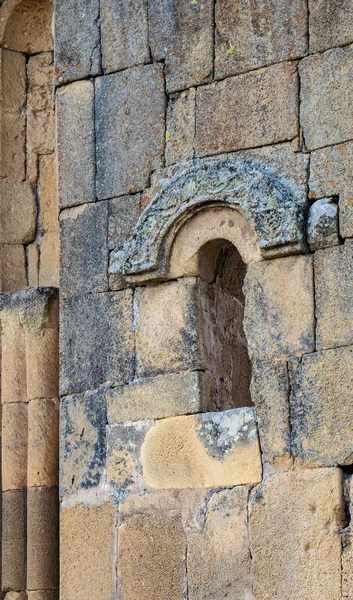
222	272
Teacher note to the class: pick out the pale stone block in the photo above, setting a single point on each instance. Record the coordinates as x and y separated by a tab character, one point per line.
295	518
49	260
279	307
43	443
48	193
13	146
207	450
87	537
13	368
12	81
151	558
13	276
230	113
42	361
33	265
180	135
326	111
13	555
42	538
347	568
330	24
43	595
322	408
18	212
322	228
14	446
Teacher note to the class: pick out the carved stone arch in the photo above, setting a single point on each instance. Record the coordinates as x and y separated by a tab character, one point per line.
25	25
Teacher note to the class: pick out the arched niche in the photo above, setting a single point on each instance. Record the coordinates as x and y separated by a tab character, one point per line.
25	26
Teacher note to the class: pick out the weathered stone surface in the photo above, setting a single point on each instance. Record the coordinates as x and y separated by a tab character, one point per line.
279	307
251	35
270	394
207	450
326	109
101	321
77	39
331	24
84	250
43	443
13	277
17	596
18	212
13	361
160	397
82	441
331	175
333	291
295	519
248	110
130	115
75	143
32	264
42	361
26	26
49	260
87	538
218	555
323	224
48	193
13	152
181	34
180	136
43	595
321	408
124	34
13	555
152	556
168	336
14	445
347	567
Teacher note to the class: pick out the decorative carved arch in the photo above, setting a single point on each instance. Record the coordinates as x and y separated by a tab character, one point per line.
273	206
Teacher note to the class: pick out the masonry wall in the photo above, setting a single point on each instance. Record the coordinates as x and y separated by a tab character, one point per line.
147	509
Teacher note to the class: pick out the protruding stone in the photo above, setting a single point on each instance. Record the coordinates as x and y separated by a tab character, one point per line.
18	212
323	224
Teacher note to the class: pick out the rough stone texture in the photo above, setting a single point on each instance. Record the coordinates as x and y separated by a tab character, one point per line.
333	293
151	561
181	34
48	193
123	215
331	175
77	39
347	568
84	250
321	408
14	446
322	228
167	329
43	595
249	110
218	555
12	268
279	307
82	441
13	367
270	394
42	538
87	537
331	24
49	260
18	212
130	122
294	528
124	28
43	443
160	397
26	26
101	321
326	93
180	135
32	265
251	35
42	362
75	143
13	564
211	449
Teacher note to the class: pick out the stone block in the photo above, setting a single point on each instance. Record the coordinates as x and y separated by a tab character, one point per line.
18	212
90	322
321	408
181	34
160	397
152	557
42	538
77	39
14	520
322	229
333	289
295	519
87	542
14	446
49	260
84	249
43	595
13	81
270	395
180	136
279	307
207	450
249	36
124	34
168	335
123	215
249	110
13	277
347	568
48	193
331	175
330	24
130	129
326	111
42	361
218	555
75	142
43	443
33	265
13	368
13	146
82	441
16	596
